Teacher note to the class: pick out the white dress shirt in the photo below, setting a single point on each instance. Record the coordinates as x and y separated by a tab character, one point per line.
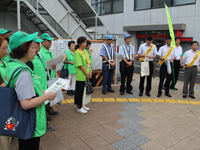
144	47
164	49
179	52
188	57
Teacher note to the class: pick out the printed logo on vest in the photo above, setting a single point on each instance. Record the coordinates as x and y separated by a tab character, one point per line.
11	124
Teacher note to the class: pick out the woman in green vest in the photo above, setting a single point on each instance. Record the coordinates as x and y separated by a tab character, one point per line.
27	86
83	72
4	140
89	52
69	63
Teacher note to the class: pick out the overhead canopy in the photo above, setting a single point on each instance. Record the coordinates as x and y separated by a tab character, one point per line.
158	27
85	12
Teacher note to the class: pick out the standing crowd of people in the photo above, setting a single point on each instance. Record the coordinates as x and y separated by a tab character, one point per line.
30	52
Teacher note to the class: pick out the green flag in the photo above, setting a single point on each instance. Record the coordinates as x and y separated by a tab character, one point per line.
171	30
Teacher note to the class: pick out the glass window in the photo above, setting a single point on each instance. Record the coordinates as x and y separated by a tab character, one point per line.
106	8
97	8
142	4
103	7
148	4
160	3
95	1
118	6
183	2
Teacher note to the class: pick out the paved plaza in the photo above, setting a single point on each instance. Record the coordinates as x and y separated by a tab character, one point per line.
127	122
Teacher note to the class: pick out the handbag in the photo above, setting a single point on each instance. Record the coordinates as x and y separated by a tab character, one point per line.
145	67
87	96
59	97
15	121
169	69
64	72
89	88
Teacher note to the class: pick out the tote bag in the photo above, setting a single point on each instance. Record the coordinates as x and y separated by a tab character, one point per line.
15	121
145	67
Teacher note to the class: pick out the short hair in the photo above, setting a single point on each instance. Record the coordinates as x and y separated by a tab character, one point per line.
168	38
194	42
149	38
88	43
177	37
2	38
71	42
20	51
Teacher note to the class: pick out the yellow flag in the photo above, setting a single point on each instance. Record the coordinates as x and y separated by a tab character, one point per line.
171	30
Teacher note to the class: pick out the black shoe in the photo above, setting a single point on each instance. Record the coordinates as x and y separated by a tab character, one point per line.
49	118
168	95
103	92
73	92
69	93
148	94
192	96
50	128
121	93
164	88
54	113
184	96
159	95
112	91
129	92
140	94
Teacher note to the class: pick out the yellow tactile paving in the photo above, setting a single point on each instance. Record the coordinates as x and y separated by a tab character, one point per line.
194	102
109	100
170	101
134	100
183	102
121	100
70	100
145	100
137	100
159	100
97	99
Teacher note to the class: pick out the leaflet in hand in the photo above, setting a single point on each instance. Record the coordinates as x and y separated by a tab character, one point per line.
58	85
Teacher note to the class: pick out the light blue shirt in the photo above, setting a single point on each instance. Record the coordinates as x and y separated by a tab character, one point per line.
122	52
104	52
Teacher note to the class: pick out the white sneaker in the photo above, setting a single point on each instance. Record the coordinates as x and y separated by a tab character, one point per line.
86	108
83	111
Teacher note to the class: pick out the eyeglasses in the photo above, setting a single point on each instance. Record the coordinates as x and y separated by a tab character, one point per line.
5	48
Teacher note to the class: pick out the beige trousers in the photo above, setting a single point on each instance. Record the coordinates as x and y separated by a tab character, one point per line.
5	142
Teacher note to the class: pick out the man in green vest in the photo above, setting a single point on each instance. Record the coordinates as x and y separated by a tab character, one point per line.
38	67
47	55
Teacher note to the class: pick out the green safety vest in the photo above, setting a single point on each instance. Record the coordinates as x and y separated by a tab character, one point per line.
3	67
39	69
40	110
70	57
47	55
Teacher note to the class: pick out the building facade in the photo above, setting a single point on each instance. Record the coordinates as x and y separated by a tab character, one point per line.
148	17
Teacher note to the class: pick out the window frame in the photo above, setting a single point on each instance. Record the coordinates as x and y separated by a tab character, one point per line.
112	2
172	5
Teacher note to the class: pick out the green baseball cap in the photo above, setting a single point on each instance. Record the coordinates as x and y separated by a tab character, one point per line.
19	37
38	40
3	31
46	36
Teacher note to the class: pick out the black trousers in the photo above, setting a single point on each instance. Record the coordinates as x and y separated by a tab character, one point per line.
126	72
30	144
163	75
176	73
149	79
78	97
